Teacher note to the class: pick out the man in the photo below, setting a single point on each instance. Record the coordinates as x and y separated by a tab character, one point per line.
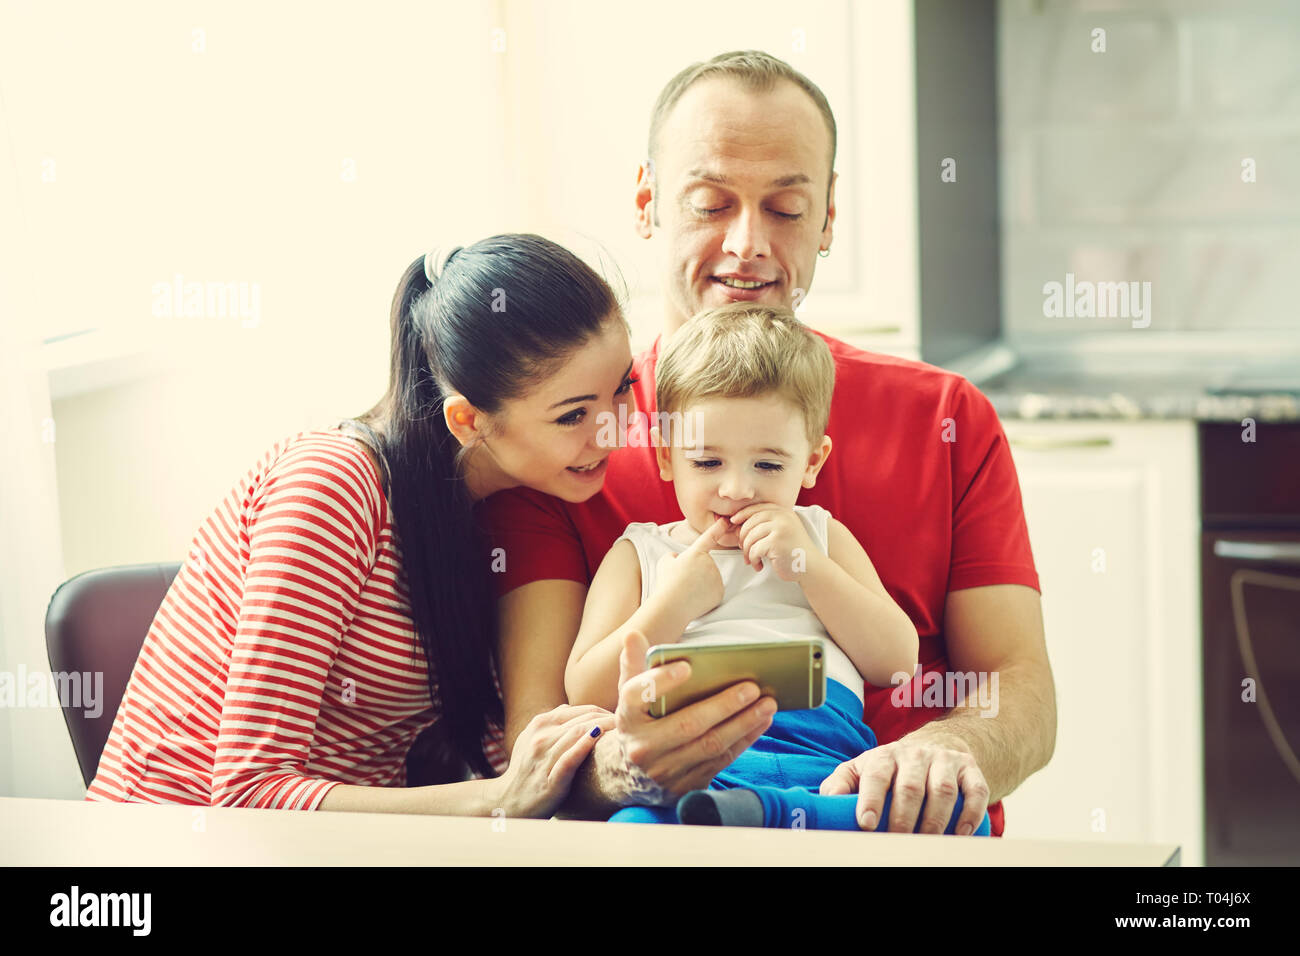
740	186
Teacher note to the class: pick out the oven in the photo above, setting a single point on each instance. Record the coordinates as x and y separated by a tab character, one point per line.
1250	567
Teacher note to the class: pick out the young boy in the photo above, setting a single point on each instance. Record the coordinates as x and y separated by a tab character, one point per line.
746	392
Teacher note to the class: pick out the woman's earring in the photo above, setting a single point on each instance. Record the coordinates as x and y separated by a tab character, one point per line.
824	253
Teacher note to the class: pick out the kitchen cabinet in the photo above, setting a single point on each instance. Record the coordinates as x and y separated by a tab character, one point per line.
1114	527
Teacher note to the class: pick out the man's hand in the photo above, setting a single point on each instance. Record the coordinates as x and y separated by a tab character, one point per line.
770	533
932	770
660	760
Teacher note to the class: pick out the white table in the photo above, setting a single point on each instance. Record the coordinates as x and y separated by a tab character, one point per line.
79	833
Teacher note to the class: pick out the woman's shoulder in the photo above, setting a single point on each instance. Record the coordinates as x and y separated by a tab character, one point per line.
330	463
333	449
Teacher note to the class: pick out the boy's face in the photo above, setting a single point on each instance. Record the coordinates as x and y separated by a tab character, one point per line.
738	452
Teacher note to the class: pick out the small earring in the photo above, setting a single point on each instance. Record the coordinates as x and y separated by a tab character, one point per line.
824	253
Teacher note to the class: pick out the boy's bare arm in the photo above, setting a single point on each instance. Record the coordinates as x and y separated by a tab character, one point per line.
613	608
687	586
847	595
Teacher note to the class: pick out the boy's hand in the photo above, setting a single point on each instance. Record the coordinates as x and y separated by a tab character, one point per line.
776	535
691	581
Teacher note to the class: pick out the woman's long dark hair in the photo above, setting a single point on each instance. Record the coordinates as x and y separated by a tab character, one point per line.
503	314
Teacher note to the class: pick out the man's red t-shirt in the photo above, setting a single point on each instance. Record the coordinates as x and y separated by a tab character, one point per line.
919	471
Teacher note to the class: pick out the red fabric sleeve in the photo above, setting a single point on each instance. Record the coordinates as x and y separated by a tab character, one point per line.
990	540
532	539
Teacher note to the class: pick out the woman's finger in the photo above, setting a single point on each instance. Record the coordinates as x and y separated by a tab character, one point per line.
567	712
556	716
563	734
570	713
587	722
571	758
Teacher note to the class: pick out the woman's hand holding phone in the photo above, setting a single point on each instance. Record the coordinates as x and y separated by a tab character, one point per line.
690	581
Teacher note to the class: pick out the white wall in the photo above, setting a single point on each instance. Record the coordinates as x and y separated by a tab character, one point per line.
310	151
214	141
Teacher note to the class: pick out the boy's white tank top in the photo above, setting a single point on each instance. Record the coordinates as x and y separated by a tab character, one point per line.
756	605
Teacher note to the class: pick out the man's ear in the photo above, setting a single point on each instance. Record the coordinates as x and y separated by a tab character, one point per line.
645	199
663	453
463	420
816	460
827	231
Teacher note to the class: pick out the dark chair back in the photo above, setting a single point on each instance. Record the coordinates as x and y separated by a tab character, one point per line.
97	622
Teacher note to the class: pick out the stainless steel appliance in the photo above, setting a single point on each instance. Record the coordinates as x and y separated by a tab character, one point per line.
1250	560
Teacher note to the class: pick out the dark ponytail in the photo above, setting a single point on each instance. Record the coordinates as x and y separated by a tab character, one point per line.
503	313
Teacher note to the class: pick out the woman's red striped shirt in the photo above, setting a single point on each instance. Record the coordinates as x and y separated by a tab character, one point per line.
283	660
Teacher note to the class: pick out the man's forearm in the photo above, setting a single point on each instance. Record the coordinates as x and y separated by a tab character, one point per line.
1010	746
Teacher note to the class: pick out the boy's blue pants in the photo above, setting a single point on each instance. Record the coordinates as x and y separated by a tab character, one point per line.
787	764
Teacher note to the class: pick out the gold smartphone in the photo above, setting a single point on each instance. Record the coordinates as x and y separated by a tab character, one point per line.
791	672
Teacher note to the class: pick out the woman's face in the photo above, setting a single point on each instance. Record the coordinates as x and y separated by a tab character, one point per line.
549	438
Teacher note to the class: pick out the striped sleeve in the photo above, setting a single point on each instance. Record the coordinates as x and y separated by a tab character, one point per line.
311	542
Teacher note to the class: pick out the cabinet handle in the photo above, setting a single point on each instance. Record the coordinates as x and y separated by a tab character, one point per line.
1283	552
1237	584
1040	443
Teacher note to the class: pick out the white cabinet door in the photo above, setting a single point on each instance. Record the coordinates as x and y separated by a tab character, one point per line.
1113	523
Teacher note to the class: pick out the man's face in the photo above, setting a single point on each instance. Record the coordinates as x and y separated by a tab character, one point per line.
740	193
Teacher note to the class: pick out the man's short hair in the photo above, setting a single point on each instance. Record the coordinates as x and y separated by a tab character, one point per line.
757	71
743	350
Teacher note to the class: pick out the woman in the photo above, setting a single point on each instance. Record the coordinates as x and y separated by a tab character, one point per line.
338	602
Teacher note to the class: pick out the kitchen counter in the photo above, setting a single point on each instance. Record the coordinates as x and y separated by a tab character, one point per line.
1125	401
1220	389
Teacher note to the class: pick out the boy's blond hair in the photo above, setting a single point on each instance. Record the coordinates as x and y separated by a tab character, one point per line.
742	350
